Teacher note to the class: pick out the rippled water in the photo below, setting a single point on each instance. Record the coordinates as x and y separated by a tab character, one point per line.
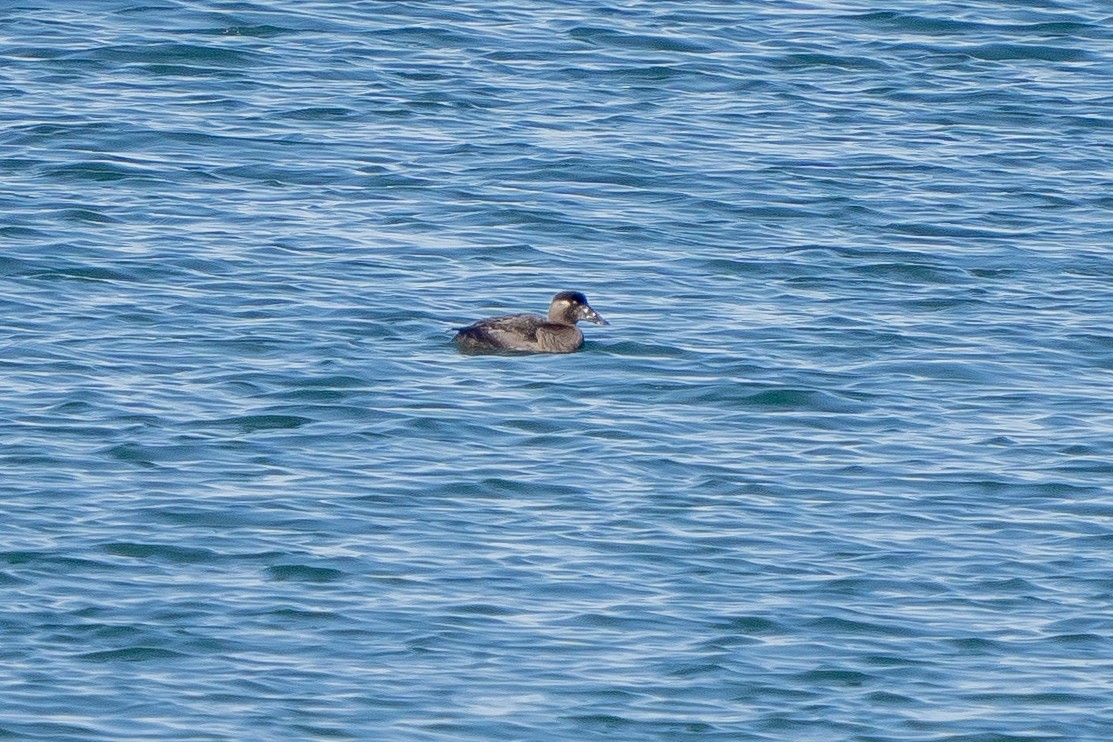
839	469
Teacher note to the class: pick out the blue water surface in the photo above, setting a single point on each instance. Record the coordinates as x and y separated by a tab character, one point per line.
840	469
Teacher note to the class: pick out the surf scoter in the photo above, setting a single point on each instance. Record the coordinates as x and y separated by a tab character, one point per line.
530	333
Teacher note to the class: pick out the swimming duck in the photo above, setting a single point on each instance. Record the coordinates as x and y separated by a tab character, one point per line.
530	333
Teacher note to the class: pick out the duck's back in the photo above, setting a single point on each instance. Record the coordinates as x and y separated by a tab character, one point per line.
525	333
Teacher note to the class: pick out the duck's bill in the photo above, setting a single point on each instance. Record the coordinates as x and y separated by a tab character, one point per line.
591	315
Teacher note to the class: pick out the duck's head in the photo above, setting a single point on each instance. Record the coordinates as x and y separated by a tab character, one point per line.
569	307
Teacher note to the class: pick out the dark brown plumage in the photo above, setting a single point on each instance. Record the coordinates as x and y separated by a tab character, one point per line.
530	333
